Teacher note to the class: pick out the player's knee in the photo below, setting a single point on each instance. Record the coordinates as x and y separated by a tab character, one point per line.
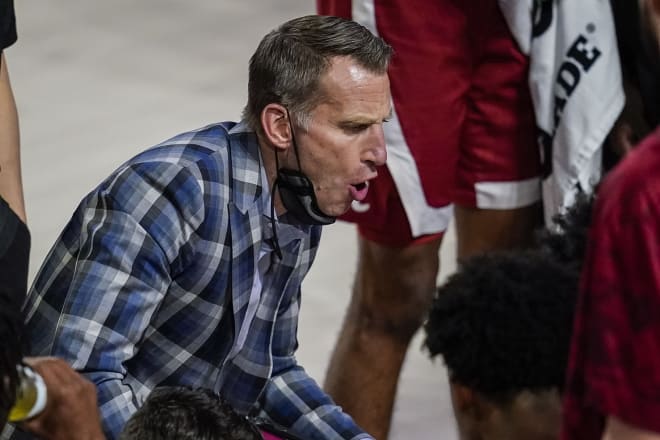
394	289
397	320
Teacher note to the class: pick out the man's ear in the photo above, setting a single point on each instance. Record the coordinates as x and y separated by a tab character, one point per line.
276	126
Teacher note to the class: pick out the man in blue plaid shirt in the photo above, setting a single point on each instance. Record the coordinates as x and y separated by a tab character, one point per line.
184	266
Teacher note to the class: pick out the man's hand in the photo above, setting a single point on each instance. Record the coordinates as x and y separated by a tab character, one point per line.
71	411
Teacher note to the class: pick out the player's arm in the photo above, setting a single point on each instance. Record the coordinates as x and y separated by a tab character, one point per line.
10	163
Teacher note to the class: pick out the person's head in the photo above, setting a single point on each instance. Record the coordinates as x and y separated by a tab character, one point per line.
320	83
11	353
502	324
179	413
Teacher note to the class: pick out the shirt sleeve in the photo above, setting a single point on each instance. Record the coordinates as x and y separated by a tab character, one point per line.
130	234
293	399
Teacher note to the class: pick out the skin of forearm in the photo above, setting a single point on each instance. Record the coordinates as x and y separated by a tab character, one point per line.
10	163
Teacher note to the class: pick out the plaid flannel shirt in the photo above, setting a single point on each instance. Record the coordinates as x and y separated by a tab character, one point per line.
150	280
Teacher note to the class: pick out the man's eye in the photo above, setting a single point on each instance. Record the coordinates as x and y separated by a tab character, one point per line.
356	128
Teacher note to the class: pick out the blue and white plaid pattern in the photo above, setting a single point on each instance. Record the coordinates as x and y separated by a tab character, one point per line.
149	283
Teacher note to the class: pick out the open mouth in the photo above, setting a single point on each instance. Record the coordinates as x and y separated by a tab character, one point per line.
359	191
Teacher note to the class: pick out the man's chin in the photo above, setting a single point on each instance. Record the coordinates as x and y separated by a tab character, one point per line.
336	210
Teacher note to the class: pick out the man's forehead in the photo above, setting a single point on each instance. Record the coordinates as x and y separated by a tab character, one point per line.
346	69
356	110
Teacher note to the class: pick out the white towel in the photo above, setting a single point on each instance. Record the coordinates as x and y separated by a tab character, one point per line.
575	81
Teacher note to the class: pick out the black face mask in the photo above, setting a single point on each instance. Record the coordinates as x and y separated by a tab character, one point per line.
298	197
297	193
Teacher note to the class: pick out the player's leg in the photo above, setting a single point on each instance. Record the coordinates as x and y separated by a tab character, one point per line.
498	181
498	184
392	293
482	230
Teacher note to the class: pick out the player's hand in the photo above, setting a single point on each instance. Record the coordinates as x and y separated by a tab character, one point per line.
71	411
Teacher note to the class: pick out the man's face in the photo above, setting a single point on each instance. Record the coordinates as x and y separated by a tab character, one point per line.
344	142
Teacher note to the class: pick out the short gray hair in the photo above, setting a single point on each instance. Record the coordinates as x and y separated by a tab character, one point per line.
288	64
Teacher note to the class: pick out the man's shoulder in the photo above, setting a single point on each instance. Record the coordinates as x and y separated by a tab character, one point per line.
634	185
641	164
189	147
181	172
203	152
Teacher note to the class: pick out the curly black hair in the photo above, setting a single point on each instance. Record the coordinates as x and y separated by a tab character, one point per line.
567	241
503	322
181	413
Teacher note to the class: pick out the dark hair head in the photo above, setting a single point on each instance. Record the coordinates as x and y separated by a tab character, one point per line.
11	352
179	413
567	241
288	64
503	322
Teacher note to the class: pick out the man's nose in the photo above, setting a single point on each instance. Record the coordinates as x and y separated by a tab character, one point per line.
378	150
